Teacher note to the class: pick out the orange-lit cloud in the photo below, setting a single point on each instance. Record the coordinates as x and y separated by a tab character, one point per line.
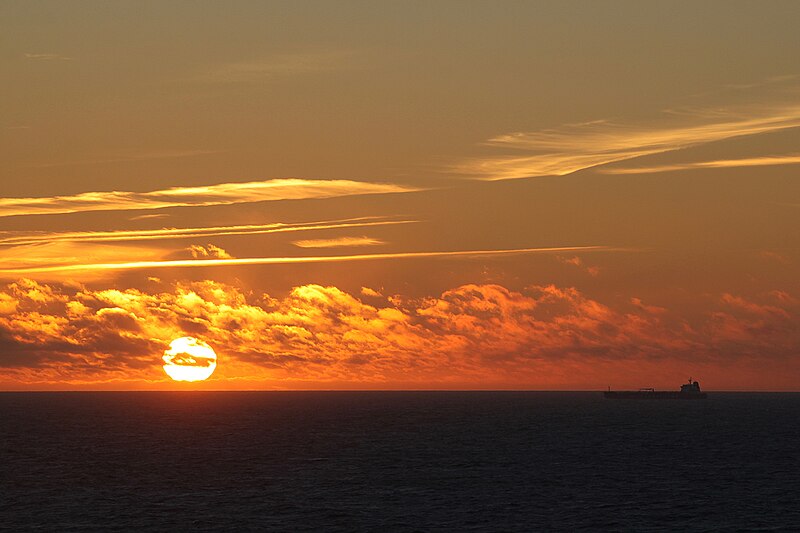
87	268
580	146
578	262
791	159
469	334
149	216
207	195
27	238
208	251
366	291
338	242
63	254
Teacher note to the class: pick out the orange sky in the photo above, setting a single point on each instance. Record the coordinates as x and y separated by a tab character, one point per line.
357	195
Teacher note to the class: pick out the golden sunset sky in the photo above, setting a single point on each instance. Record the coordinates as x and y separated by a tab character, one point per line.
384	195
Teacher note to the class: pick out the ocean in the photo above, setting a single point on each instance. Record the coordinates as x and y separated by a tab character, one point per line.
398	461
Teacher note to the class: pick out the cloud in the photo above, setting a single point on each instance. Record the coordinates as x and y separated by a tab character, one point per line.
743	327
791	159
578	262
204	195
47	57
8	304
773	256
571	148
470	333
86	269
275	67
208	251
146	217
22	238
366	291
62	254
338	242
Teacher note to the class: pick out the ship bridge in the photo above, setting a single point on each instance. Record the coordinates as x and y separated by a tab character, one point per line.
692	386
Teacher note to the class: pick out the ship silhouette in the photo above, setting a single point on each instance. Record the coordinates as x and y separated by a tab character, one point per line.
689	391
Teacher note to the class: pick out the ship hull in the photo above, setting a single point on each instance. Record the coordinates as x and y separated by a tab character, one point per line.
654	395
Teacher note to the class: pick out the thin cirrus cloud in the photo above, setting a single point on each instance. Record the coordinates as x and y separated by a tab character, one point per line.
205	195
34	238
791	159
88	268
275	67
338	242
147	217
47	57
565	150
63	253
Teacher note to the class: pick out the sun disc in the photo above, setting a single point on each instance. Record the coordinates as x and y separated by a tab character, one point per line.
189	359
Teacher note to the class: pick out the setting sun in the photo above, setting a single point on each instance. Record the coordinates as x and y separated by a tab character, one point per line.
189	359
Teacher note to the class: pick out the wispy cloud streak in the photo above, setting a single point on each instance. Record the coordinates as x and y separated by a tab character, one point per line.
47	57
580	146
276	66
338	242
721	163
187	233
184	263
206	195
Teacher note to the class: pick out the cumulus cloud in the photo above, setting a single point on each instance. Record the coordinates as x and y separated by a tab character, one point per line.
8	304
366	291
743	327
579	263
324	334
208	251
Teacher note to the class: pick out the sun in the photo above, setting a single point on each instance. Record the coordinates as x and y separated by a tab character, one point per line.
189	359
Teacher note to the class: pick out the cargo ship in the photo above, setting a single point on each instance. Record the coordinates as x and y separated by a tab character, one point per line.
689	391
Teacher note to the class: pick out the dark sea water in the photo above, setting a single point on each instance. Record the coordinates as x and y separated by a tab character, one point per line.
407	461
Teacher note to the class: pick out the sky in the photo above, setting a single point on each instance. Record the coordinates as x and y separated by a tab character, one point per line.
400	195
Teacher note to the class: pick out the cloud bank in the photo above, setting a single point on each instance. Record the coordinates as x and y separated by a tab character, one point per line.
470	333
